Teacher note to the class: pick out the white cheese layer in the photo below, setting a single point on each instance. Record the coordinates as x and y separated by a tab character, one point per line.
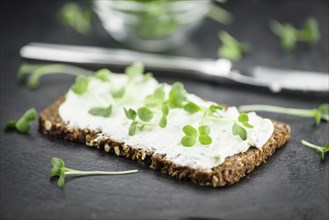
74	111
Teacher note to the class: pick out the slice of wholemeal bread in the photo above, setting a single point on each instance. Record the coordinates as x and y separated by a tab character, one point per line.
231	171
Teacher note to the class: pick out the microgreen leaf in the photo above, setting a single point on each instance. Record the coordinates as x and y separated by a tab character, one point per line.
204	130
231	49
192	107
147	76
145	114
165	112
156	98
188	141
163	122
77	17
324	111
103	75
243	118
61	171
323	150
135	69
309	32
81	85
117	94
190	131
102	112
240	131
61	179
165	109
287	34
23	123
177	95
214	108
205	139
130	114
132	128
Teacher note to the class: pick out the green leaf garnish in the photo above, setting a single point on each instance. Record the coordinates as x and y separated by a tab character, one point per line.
117	94
37	71
145	114
156	98
102	112
323	150
319	113
23	124
103	75
214	108
177	95
163	122
165	112
136	69
192	107
188	141
243	118
191	134
240	131
289	35
231	49
205	139
77	17
310	32
81	85
61	171
132	128
190	131
130	114
204	130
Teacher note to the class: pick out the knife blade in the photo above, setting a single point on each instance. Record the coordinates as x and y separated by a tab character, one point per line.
214	70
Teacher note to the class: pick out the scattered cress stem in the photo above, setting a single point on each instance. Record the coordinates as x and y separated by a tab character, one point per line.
319	113
60	170
323	150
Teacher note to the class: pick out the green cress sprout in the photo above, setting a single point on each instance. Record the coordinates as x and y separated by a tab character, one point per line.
102	112
231	48
61	171
165	112
103	75
81	85
118	94
177	95
77	17
143	113
319	113
323	150
23	124
37	71
289	35
191	135
157	98
240	130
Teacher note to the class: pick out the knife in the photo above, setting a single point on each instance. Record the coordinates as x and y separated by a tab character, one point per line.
214	70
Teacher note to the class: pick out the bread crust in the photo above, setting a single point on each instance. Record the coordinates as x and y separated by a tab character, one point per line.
229	172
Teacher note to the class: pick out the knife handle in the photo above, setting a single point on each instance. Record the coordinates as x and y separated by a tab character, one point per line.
121	57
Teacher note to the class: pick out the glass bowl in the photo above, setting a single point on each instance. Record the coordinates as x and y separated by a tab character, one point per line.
151	25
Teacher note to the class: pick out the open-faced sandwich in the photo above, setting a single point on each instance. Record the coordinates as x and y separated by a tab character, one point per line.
163	127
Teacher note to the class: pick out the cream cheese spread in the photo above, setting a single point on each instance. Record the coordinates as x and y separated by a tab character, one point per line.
167	141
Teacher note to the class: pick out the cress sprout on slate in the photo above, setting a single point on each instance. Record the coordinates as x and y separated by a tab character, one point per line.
323	150
319	113
61	171
23	124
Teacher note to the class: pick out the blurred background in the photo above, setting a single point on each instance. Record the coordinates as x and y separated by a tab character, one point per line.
188	28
